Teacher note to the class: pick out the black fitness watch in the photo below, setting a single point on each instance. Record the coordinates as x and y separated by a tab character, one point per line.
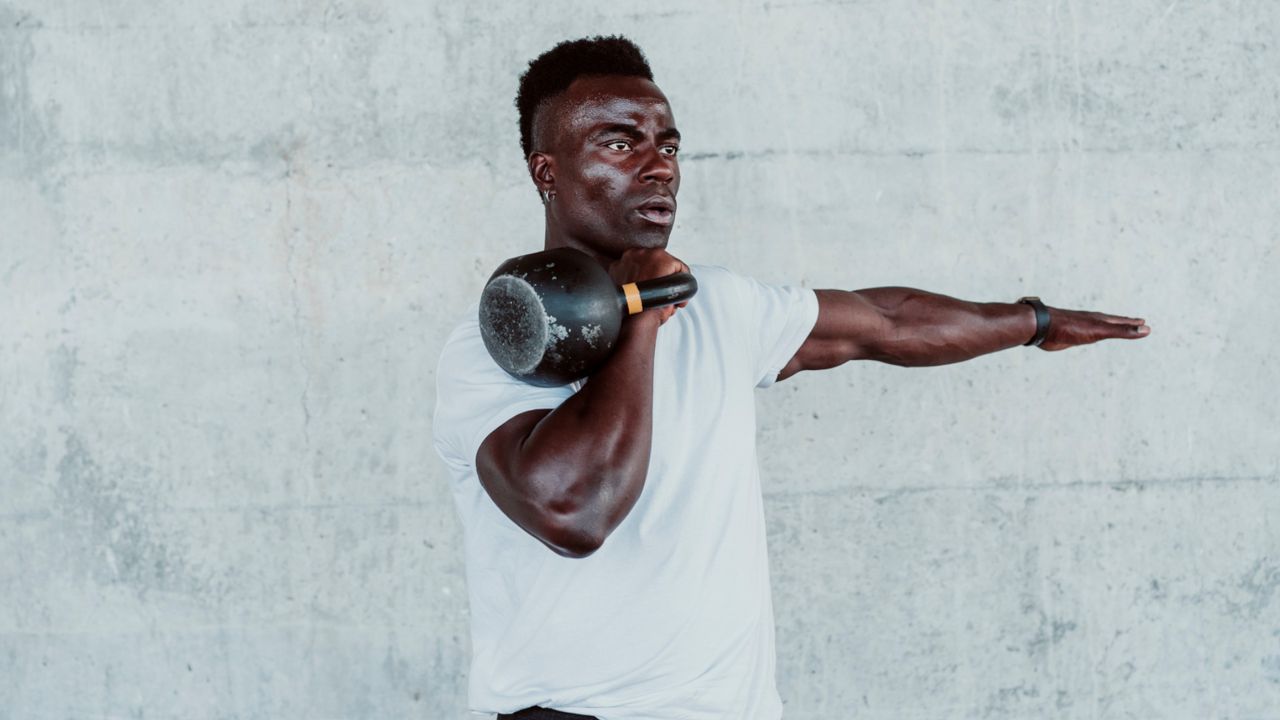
1042	320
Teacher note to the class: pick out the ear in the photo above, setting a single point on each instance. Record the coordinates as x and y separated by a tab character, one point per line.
542	170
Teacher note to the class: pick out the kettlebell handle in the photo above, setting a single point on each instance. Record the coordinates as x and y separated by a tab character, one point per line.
657	292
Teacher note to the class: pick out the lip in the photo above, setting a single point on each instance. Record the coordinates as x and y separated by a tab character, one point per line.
659	210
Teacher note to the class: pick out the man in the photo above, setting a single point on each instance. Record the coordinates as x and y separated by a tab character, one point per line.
615	541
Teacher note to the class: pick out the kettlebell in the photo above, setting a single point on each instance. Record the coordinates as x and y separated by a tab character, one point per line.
551	317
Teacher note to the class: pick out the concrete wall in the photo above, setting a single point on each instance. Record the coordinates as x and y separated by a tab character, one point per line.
233	236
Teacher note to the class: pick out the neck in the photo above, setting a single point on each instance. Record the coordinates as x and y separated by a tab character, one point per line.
556	238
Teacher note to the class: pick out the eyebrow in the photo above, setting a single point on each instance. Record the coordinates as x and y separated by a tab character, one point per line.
633	132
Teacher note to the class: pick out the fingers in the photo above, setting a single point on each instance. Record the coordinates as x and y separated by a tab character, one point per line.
655	260
1125	328
635	264
1119	319
1072	328
1104	326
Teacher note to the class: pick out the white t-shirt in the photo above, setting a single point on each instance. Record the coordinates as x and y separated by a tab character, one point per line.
671	619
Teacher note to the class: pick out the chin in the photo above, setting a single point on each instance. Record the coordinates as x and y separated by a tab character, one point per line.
620	242
652	239
655	242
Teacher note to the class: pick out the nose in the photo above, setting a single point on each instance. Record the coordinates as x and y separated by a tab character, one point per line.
659	168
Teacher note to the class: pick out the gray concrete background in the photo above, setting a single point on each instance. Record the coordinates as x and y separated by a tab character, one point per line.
233	236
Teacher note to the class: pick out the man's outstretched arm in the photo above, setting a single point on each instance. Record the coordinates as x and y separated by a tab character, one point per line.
913	328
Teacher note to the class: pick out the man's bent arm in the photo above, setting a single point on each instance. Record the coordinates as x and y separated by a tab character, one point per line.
914	328
570	475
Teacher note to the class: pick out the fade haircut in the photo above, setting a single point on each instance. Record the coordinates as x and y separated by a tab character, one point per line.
552	72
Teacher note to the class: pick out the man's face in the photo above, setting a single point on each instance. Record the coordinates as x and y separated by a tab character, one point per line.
613	150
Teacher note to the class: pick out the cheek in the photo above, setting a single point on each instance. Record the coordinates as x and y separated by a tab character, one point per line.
601	185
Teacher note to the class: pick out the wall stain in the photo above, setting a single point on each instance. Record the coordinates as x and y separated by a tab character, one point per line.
108	529
28	144
1259	585
1250	594
1271	669
63	365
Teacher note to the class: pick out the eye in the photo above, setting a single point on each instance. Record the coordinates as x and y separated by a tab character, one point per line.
619	145
669	149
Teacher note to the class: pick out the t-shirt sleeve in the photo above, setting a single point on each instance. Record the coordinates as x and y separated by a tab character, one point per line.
780	320
474	397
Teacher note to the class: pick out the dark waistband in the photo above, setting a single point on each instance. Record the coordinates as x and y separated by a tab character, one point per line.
541	713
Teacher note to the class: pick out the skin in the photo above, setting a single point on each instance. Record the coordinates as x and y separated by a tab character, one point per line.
605	147
606	152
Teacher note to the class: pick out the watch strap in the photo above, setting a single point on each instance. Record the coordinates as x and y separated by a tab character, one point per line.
1042	320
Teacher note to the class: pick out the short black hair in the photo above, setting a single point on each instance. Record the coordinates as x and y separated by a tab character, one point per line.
552	72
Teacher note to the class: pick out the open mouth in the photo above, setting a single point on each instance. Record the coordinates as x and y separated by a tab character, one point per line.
659	211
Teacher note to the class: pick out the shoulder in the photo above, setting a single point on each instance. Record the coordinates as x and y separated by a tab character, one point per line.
464	367
717	281
463	358
464	339
465	361
730	290
474	395
715	274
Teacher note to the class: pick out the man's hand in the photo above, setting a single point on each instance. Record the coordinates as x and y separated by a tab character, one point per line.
1069	328
638	264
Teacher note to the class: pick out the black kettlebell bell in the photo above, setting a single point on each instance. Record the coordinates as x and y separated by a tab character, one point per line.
551	317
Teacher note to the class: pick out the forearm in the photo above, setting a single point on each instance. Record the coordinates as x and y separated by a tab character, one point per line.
924	328
585	463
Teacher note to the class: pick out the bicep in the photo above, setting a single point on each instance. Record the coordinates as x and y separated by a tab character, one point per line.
498	465
849	326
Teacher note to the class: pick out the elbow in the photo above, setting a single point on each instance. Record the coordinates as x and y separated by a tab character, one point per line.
574	513
562	506
569	539
576	549
571	527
